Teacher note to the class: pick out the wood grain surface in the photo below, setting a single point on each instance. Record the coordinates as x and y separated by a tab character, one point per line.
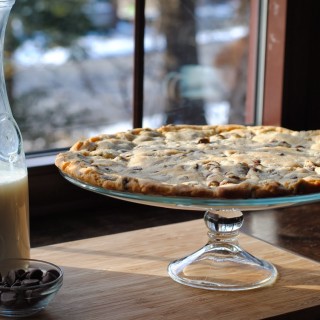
124	276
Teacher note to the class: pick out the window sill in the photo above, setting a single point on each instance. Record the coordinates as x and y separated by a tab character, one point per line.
40	159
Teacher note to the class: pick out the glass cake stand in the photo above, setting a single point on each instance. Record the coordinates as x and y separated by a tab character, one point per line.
221	264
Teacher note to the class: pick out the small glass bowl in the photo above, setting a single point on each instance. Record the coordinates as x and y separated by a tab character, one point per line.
27	286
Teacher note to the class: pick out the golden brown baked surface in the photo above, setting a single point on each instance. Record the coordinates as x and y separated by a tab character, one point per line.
223	161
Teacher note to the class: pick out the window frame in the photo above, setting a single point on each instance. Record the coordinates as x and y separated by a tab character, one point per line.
274	62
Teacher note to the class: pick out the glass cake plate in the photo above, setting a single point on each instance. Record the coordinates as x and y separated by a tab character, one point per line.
221	264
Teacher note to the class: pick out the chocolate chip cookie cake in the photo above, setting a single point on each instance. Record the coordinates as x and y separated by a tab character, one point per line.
220	161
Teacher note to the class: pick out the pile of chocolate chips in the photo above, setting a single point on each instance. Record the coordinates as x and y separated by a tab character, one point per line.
14	281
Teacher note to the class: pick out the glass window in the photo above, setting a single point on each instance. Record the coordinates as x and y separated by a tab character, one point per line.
69	66
196	61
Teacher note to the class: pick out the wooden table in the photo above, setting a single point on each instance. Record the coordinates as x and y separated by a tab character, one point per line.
124	276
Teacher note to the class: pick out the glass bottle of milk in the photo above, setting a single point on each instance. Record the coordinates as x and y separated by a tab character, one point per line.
14	206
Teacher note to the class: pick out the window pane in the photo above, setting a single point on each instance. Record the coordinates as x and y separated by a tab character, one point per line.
196	61
69	69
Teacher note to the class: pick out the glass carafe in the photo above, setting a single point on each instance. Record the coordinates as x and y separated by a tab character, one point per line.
14	206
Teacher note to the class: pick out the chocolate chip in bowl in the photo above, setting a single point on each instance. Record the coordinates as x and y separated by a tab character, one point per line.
27	286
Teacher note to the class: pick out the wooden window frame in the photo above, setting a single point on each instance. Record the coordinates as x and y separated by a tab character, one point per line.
274	62
266	62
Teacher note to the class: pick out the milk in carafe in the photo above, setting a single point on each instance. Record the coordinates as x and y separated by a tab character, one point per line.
14	214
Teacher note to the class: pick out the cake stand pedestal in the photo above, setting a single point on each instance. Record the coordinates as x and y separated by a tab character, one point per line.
222	264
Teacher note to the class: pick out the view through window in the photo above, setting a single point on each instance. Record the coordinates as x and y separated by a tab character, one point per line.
69	66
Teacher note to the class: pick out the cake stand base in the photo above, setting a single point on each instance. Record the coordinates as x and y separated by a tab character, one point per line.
222	264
